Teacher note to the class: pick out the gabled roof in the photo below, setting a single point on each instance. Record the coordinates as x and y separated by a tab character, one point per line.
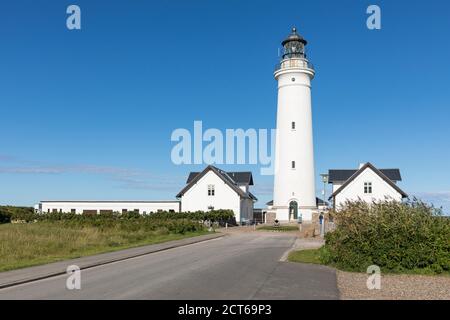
342	175
244	177
227	177
378	172
319	202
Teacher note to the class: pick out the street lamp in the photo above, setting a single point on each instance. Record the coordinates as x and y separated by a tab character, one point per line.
322	220
325	181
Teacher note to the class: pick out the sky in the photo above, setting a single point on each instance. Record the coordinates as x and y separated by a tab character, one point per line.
88	114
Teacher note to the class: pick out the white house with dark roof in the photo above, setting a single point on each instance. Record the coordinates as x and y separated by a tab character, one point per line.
207	190
366	183
216	189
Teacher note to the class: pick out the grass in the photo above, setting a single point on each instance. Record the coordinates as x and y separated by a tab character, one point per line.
280	228
305	256
25	245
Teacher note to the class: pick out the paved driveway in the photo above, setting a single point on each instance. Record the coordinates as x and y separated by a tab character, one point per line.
238	266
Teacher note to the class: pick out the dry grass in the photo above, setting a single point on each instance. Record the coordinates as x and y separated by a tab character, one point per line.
23	245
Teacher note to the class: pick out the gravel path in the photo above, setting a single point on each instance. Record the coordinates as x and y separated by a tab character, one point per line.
394	287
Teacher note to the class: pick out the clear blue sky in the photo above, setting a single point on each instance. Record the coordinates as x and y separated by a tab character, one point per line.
88	114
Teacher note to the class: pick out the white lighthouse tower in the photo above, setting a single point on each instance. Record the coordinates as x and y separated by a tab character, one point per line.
294	187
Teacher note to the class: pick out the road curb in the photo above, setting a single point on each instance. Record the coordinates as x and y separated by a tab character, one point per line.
35	273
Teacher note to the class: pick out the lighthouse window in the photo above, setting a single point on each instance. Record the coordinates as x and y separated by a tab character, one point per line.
293	125
293	79
293	164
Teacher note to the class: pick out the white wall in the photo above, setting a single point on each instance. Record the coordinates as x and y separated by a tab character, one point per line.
79	206
196	198
246	209
380	190
336	185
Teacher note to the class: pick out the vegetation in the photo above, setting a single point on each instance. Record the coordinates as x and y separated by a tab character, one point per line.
305	256
49	237
8	213
397	237
24	245
279	228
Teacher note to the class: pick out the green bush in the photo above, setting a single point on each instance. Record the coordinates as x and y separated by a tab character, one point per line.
10	213
397	237
161	222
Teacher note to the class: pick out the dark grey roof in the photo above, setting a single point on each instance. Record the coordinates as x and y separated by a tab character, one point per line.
319	202
378	172
227	177
342	175
243	177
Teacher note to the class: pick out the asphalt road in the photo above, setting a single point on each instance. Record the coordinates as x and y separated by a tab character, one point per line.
239	266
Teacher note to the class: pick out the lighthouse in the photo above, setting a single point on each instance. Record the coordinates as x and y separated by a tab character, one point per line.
294	197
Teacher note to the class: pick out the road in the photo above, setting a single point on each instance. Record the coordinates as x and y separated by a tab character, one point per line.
238	266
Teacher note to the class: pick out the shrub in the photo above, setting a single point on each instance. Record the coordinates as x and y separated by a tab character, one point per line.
11	213
395	236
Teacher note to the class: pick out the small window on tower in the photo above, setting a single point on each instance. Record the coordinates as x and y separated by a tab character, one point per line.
293	164
368	187
293	125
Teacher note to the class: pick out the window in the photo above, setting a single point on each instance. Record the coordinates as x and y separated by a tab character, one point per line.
367	187
211	190
293	164
293	125
73	211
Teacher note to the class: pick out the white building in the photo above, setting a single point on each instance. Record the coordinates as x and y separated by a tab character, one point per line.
211	189
366	183
214	189
89	206
294	195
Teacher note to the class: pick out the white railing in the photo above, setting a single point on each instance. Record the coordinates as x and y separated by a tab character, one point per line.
294	63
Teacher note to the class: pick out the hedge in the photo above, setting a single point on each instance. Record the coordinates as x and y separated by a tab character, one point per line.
8	214
395	236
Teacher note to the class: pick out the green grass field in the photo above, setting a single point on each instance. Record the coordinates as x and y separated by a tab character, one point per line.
24	245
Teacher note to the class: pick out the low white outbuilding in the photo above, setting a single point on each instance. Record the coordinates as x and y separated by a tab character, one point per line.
367	183
98	206
211	189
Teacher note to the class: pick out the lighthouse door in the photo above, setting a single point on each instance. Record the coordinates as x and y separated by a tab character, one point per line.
293	210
